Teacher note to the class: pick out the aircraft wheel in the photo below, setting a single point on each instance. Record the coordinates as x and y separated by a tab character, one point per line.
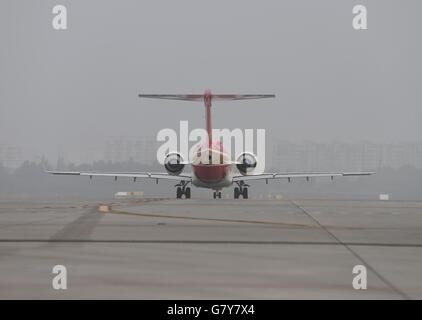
187	193
245	193
179	193
219	194
214	195
236	193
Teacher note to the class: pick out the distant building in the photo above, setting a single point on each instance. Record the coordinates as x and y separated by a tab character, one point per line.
139	149
312	156
10	156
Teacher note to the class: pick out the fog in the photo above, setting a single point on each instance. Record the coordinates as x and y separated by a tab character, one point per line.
66	91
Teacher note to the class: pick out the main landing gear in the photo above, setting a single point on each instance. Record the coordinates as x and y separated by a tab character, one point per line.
217	194
182	189
241	190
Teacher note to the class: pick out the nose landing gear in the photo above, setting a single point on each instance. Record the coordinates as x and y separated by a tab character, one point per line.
182	189
241	190
217	194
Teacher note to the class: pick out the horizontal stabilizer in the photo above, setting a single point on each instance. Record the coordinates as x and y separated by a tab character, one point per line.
200	97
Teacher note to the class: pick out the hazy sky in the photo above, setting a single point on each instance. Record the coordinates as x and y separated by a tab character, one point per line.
66	91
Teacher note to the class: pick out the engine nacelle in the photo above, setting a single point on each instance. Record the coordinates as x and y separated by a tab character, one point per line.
174	163
246	163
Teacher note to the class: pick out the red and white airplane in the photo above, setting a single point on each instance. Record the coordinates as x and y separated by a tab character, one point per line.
206	174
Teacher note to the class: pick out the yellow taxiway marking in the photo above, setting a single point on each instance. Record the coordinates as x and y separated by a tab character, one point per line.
104	208
269	223
154	215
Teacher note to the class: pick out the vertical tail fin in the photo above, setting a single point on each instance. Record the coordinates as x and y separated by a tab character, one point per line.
208	126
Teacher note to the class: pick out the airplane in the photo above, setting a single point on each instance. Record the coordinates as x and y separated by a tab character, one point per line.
206	174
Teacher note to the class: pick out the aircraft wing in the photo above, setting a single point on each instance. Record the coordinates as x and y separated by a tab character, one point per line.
307	175
133	175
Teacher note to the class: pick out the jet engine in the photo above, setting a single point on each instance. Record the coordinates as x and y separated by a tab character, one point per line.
174	163
246	163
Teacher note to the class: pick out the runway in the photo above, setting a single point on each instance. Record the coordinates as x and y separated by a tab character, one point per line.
211	249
